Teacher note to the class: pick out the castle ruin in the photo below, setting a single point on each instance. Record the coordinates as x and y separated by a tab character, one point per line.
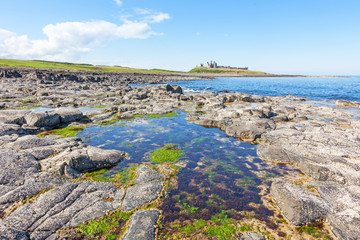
213	64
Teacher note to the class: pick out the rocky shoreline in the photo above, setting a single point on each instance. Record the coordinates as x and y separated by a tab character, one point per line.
40	194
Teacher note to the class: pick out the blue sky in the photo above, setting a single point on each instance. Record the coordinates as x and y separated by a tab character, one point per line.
277	36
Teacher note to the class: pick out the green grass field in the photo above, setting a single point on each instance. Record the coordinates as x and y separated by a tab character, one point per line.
77	66
89	67
205	70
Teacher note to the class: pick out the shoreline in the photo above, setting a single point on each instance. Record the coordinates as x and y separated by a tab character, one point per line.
185	76
320	142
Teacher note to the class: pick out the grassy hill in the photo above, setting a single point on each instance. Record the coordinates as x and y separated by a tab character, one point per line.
77	66
97	68
205	70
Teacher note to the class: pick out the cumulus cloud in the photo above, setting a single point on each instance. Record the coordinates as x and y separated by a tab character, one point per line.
69	40
118	2
152	16
157	18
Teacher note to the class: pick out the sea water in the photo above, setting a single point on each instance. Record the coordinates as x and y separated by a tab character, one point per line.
315	88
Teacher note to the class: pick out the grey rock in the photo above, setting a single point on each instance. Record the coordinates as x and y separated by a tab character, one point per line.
147	175
298	206
141	194
13	116
249	129
8	233
9	129
95	158
101	117
42	119
69	115
16	167
346	104
143	225
66	206
252	236
277	154
96	112
344	217
318	171
41	152
32	186
70	163
30	141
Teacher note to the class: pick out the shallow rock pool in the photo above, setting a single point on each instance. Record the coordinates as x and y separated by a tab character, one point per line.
219	177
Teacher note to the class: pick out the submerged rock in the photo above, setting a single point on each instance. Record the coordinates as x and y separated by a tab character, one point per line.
141	194
252	236
143	225
147	175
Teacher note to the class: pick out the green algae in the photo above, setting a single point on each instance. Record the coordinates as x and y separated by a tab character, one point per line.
108	122
109	226
153	116
123	178
220	226
168	154
64	132
313	231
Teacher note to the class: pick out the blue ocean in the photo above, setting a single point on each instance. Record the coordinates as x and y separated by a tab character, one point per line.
314	88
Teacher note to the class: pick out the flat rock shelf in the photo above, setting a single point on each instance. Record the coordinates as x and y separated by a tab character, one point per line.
90	157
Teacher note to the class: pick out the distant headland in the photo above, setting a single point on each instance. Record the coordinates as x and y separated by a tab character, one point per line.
213	64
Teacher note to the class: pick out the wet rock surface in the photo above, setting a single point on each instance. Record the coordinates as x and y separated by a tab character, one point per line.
141	194
252	236
143	225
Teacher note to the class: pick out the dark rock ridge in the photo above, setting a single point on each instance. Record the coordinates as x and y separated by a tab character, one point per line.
54	75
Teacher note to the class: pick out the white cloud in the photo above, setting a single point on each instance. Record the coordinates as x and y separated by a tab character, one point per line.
118	2
157	18
152	16
143	11
70	40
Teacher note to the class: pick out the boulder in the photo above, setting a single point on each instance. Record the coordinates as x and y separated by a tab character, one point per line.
298	206
30	141
95	158
81	160
42	119
69	115
143	225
